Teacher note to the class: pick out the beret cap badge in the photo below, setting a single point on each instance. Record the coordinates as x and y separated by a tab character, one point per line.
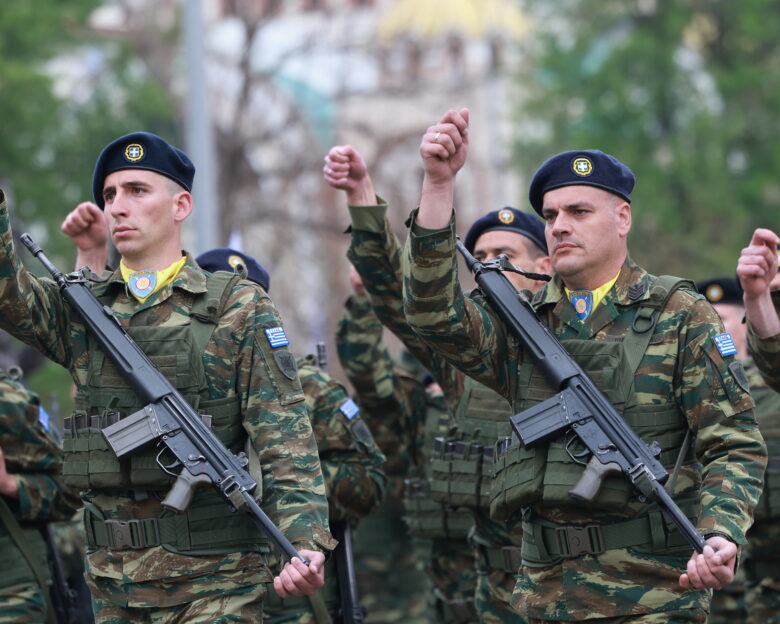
506	216
582	166
134	152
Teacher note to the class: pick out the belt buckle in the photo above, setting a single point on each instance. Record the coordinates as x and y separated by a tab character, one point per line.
574	541
128	534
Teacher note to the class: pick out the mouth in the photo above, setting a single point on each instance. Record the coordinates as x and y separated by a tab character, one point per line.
121	230
560	247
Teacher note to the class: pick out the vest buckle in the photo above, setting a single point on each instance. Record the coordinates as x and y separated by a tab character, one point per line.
574	541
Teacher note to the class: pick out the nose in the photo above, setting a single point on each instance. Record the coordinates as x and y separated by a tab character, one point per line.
559	225
117	205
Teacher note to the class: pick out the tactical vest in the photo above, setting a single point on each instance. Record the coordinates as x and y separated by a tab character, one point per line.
462	464
545	473
177	351
768	416
424	516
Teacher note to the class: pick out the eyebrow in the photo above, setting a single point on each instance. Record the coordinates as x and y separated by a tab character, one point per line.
128	184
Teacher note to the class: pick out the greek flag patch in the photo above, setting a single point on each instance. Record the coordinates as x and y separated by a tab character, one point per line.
43	418
725	344
276	337
349	408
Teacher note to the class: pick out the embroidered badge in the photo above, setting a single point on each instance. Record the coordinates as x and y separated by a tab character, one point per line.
506	216
714	292
276	337
582	166
286	363
582	300
234	261
725	344
134	152
349	408
142	283
43	418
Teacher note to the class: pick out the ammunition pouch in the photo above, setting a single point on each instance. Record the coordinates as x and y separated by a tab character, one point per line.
426	518
456	472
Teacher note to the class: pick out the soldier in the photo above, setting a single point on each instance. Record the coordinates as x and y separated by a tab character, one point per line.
461	476
614	559
33	495
393	401
758	273
205	564
351	461
409	416
761	601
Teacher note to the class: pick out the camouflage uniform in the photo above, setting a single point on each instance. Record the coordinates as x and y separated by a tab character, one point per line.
481	417
392	587
205	564
766	351
354	480
681	381
35	462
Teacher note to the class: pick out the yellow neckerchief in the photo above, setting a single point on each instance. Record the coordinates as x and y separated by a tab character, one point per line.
157	279
598	294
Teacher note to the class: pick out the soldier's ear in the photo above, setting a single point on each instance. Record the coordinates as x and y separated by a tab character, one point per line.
182	202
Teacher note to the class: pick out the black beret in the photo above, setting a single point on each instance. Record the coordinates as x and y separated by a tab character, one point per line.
142	150
511	220
721	290
226	259
588	167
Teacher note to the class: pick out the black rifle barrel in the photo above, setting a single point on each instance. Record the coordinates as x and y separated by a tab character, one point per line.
637	460
190	437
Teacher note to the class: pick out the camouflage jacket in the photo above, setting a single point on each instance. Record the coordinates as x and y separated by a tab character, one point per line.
238	361
766	351
393	403
32	457
681	363
351	461
377	255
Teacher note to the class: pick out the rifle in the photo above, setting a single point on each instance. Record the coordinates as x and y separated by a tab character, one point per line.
167	418
579	407
350	610
63	598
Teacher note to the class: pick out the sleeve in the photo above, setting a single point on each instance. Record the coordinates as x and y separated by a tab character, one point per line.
460	329
274	415
387	405
33	459
32	309
377	255
351	460
766	351
712	390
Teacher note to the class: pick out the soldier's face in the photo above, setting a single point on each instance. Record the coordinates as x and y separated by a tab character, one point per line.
142	209
519	251
586	230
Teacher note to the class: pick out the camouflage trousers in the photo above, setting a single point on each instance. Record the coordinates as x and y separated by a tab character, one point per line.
211	604
728	604
22	604
494	598
686	616
392	586
449	564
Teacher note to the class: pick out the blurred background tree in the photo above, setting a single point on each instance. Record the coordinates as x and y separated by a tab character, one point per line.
684	93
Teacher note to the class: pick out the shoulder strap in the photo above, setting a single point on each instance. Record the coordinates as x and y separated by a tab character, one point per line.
647	313
15	531
209	306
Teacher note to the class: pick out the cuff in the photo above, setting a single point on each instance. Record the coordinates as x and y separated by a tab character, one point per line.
369	218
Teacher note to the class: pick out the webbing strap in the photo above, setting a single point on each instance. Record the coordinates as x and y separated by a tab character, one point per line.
15	531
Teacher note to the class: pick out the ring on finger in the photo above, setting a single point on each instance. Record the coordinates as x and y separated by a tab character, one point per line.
436	137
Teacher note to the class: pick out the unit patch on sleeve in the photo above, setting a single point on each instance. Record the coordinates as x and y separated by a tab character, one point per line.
725	344
276	337
349	408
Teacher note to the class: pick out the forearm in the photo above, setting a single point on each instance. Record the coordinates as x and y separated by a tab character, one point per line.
453	325
436	202
762	315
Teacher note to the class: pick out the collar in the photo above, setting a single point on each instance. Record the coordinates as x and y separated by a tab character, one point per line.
190	278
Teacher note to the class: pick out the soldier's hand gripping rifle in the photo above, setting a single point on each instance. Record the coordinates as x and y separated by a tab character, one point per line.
579	407
167	419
